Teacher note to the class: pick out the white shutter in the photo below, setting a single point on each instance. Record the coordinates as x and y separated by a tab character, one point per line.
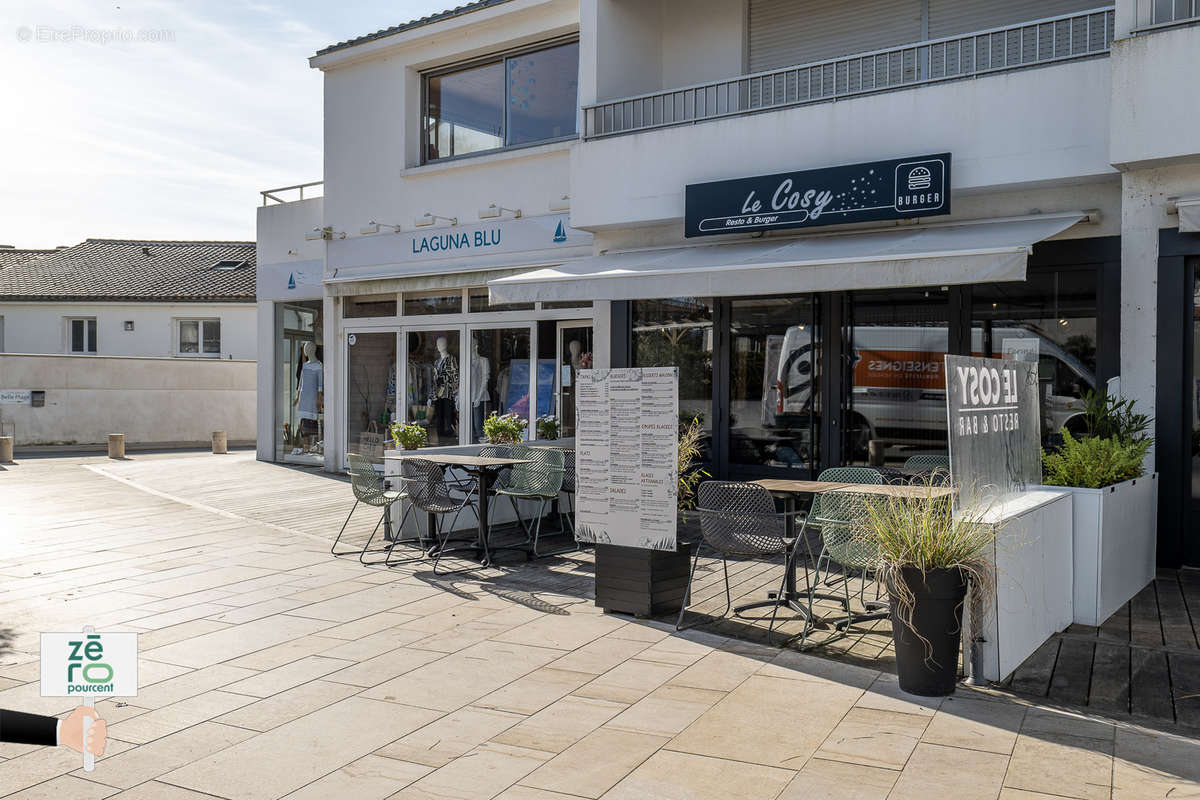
952	17
788	32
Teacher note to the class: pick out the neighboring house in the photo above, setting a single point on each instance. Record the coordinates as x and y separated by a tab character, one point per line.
117	297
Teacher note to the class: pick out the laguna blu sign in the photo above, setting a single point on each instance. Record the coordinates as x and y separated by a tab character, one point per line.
879	190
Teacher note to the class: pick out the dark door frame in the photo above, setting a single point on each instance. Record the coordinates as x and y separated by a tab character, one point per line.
1178	262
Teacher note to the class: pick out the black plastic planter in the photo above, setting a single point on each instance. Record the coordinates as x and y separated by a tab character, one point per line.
937	616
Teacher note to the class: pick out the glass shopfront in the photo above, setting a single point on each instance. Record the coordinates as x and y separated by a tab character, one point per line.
447	370
761	371
300	383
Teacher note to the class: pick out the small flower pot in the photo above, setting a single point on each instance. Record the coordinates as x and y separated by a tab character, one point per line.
929	670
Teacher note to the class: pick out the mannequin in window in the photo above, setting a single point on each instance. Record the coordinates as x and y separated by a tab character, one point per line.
574	348
481	372
445	392
310	398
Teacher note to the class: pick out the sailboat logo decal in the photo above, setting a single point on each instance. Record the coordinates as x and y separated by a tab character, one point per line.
560	233
292	280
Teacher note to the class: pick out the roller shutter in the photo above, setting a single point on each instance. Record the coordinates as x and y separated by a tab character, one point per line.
788	32
952	17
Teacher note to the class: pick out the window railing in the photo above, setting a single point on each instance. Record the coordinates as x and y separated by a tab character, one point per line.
1034	43
1153	14
290	194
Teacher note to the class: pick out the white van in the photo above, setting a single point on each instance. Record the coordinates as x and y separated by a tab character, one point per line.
899	385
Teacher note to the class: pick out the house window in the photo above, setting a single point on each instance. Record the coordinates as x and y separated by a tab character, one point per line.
507	101
82	334
200	337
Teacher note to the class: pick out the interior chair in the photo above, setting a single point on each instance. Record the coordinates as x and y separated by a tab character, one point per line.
739	519
429	490
932	468
370	488
539	479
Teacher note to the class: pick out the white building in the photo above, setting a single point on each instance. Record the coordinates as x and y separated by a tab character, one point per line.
108	297
1038	166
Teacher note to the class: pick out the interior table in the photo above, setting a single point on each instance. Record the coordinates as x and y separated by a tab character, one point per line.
482	468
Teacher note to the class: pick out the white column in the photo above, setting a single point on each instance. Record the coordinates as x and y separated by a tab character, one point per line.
265	384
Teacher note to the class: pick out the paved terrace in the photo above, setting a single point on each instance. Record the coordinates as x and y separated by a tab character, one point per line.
270	669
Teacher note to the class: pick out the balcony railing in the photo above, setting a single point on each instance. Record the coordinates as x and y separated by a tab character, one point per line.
290	194
1153	14
1033	43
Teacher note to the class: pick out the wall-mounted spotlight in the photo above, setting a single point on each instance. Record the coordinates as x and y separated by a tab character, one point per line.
326	233
561	204
428	219
493	211
373	227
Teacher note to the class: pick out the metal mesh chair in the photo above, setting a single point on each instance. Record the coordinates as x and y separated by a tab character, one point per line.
568	487
739	519
429	490
500	479
934	469
539	479
849	541
864	475
370	489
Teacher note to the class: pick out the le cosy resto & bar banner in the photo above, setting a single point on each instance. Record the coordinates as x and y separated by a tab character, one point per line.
901	188
994	423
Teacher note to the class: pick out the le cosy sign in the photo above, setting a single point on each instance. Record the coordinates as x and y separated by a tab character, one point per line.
878	190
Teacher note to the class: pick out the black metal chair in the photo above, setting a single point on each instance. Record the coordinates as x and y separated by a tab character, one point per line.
568	488
429	490
370	488
739	519
930	468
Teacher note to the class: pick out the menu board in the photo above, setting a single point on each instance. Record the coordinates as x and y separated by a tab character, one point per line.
626	451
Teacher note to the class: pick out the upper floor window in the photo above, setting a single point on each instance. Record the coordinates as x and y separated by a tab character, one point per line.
513	100
81	333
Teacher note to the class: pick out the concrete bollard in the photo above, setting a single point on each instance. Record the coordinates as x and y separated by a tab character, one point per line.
116	445
6	447
220	442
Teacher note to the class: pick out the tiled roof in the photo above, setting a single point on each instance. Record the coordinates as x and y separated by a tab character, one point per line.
118	269
13	255
416	23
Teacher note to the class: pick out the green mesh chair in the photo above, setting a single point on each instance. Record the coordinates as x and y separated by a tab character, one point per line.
865	475
932	468
370	489
539	479
848	541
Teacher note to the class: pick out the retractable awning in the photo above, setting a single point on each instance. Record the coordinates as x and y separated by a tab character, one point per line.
923	255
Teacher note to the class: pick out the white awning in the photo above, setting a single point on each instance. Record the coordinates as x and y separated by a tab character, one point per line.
923	255
1189	214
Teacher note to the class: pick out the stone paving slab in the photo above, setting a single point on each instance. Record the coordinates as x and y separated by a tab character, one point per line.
271	669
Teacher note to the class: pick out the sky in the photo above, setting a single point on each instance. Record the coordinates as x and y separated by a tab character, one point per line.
163	119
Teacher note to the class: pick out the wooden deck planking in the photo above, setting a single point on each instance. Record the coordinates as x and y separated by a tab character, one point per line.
1150	684
1185	685
1073	672
1176	624
1110	678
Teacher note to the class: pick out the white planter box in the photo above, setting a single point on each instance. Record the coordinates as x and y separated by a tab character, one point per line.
1115	531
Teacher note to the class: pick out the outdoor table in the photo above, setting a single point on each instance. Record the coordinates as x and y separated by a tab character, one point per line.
788	490
482	468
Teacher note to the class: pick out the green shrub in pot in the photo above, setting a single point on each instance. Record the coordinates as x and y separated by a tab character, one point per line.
930	551
1111	449
408	436
505	428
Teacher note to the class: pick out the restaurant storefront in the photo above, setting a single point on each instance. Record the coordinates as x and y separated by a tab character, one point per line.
788	382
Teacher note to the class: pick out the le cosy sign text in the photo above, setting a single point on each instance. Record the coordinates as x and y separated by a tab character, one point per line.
987	400
878	190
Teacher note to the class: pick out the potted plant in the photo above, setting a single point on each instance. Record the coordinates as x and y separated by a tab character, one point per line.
505	429
407	436
930	553
548	427
1113	504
